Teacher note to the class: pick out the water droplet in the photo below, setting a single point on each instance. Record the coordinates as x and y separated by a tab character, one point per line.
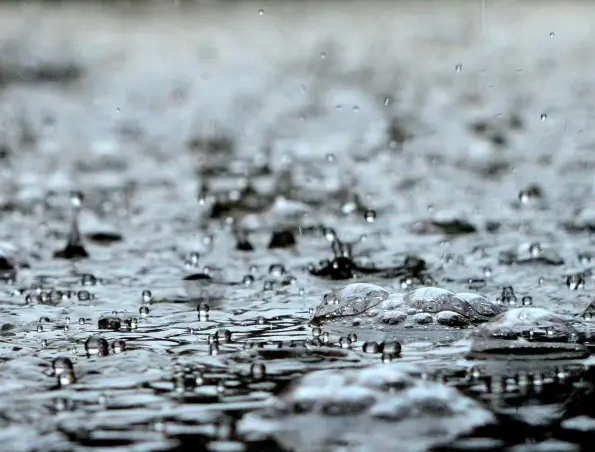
391	347
81	321
76	199
387	358
224	335
316	332
118	346
88	280
40	328
258	371
261	12
352	338
277	270
344	342
458	67
143	311
370	215
330	157
371	347
527	301
61	365
146	296
96	345
552	34
84	295
247	280
323	55
543	116
203	308
66	378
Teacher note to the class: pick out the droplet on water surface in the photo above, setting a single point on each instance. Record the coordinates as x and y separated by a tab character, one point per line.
527	333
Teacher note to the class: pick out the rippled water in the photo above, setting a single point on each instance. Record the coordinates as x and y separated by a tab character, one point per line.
189	193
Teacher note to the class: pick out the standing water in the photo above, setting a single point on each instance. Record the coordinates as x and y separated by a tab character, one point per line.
242	226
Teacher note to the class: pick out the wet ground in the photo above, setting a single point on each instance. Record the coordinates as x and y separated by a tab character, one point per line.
186	189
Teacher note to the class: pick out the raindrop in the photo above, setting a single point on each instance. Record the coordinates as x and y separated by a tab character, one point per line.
371	347
66	378
88	280
118	346
143	311
40	328
223	334
61	365
74	248
391	347
370	215
527	301
277	270
146	296
96	345
258	371
84	295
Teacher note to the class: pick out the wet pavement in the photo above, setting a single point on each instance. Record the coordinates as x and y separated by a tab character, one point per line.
241	226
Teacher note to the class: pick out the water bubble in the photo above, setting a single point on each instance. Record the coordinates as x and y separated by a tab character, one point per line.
258	371
61	365
44	320
344	342
370	215
223	334
248	280
267	285
40	328
96	345
391	347
66	378
143	311
527	301
316	332
458	67
535	249
352	338
81	321
277	270
261	12
507	295
543	116
84	295
575	282
118	346
88	280
203	308
371	347
146	296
